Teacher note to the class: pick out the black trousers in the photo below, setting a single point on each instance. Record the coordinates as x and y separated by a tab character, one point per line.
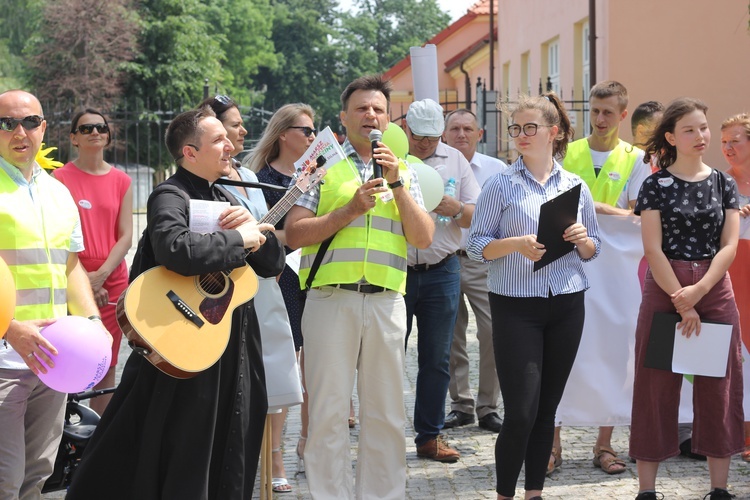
536	340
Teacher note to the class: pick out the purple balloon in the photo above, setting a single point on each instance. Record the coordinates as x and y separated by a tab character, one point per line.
84	354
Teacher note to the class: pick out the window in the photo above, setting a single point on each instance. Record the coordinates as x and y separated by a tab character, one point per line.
525	74
553	65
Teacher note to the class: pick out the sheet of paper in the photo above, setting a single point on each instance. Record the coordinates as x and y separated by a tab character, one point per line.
204	215
326	145
705	354
292	260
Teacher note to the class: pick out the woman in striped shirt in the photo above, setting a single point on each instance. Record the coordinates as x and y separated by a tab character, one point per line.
537	317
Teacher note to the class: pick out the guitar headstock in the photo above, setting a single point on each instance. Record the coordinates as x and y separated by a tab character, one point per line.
310	175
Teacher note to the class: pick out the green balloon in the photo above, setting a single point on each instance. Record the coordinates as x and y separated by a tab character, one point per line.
395	138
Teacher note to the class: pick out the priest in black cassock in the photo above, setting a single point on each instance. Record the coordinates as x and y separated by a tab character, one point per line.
197	438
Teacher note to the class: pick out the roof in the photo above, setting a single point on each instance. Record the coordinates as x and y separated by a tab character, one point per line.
481	8
468	52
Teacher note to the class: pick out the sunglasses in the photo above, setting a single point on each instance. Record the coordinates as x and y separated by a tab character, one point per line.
223	99
307	131
9	124
88	128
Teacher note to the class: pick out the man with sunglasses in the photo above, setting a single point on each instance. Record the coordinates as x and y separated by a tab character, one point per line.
40	235
433	284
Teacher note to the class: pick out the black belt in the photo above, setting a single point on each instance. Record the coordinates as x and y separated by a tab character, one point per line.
427	267
360	287
462	253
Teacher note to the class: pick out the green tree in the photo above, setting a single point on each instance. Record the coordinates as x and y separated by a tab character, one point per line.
11	69
380	32
244	31
307	70
185	42
177	53
80	51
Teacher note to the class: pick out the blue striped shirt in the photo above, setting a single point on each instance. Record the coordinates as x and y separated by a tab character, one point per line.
509	207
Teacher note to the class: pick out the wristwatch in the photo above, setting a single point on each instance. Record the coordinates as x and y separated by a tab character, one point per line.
460	212
397	184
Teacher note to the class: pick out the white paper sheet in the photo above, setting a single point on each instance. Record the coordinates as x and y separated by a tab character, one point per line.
204	215
705	354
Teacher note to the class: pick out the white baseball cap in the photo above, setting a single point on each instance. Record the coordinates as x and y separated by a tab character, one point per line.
425	117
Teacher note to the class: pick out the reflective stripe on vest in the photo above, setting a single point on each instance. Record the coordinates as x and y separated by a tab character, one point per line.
613	176
35	243
372	246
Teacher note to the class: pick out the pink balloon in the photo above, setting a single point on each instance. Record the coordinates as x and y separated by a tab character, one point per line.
83	358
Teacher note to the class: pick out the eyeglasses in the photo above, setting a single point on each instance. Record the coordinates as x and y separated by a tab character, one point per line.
420	138
88	128
9	124
529	129
307	131
223	99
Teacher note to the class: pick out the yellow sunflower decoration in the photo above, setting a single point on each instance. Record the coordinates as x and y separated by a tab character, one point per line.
46	162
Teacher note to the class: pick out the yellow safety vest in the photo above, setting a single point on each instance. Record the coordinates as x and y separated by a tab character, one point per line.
612	178
35	244
373	245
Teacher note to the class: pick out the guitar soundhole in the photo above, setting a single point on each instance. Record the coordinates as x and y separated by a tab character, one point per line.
212	284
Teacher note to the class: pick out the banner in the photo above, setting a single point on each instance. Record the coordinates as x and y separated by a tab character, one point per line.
600	387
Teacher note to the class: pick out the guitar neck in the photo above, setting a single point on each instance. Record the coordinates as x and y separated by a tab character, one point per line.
277	212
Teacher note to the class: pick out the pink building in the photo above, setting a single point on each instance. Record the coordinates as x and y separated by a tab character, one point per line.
659	50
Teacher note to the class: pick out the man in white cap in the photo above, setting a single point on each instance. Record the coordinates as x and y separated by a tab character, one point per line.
433	281
463	133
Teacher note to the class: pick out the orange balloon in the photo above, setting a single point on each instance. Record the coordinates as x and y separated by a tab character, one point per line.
7	298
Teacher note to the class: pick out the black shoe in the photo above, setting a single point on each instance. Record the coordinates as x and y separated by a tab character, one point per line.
649	495
718	494
686	450
491	422
457	419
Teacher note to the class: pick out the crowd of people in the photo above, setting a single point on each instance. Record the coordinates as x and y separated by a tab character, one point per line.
372	258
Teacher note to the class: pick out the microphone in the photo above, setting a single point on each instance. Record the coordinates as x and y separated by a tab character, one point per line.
375	136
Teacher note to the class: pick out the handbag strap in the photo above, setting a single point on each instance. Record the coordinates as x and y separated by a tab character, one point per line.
318	259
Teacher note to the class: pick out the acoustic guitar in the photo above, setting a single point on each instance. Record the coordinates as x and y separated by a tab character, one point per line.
181	324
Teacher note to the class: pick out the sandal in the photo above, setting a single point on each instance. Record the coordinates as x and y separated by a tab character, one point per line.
281	485
300	458
608	461
746	454
555	460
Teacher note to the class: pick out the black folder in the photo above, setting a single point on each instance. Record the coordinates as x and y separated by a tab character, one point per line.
554	218
660	348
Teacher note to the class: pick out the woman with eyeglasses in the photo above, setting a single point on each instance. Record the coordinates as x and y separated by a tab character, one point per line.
289	132
105	203
537	316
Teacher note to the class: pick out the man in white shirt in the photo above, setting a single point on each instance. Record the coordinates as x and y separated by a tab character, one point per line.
433	275
463	133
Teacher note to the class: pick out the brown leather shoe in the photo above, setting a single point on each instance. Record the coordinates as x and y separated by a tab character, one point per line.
437	449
